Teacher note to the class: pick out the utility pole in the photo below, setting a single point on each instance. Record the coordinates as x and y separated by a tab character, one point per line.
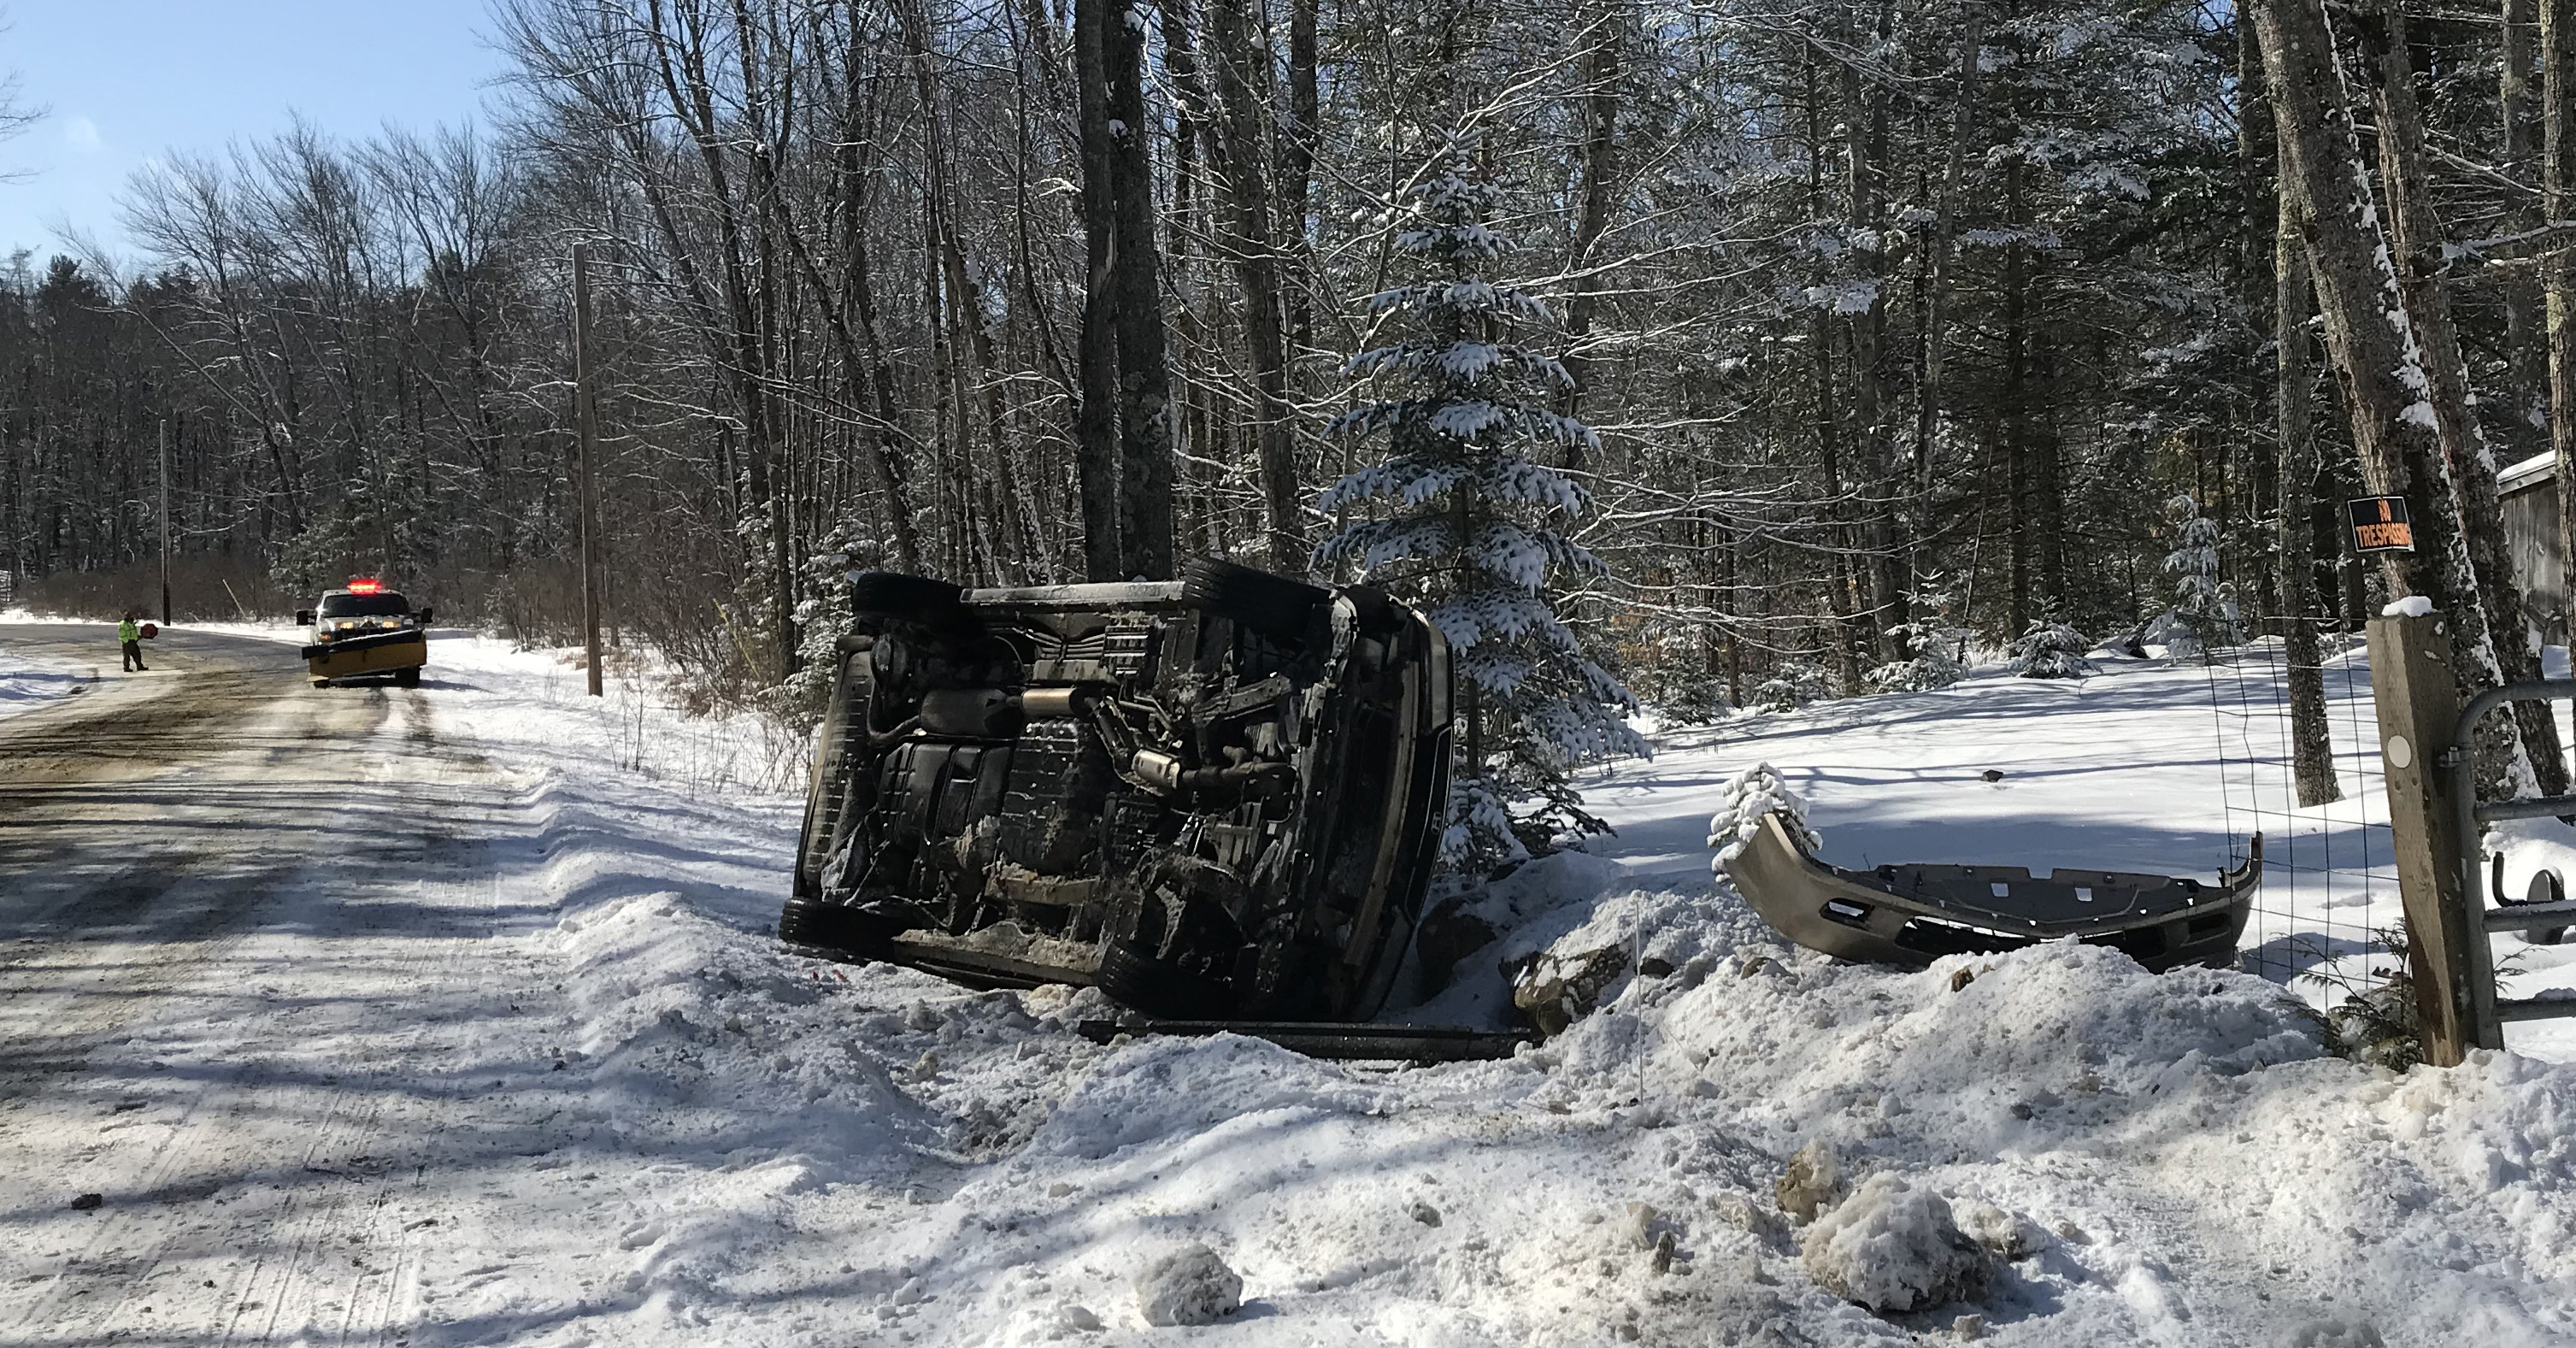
585	412
165	521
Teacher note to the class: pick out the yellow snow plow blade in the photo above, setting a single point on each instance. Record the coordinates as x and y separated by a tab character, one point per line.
383	653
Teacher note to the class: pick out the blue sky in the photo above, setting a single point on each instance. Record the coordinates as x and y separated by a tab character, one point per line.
128	80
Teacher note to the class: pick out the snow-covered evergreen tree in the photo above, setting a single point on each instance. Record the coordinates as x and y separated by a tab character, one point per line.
2052	650
822	619
2203	617
1935	646
1791	686
1463	518
1934	662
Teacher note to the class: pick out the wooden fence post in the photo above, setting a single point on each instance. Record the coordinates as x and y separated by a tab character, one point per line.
2418	699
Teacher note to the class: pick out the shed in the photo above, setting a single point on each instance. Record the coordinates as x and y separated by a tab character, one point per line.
2528	494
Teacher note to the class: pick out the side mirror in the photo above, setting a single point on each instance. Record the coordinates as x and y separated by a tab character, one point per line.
424	617
304	617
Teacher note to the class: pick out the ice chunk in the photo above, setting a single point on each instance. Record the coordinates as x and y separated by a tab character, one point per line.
1892	1246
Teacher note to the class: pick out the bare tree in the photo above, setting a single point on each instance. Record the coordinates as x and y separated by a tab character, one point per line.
2325	185
2418	255
1144	385
1096	455
16	113
1242	78
2311	739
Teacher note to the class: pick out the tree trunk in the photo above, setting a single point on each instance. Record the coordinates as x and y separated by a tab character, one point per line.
2526	361
1936	266
1865	140
2311	739
2558	275
1844	609
1256	262
1144	386
2018	525
1297	172
2324	184
1598	104
2259	201
1096	418
1192	428
761	172
2416	245
681	58
868	377
976	384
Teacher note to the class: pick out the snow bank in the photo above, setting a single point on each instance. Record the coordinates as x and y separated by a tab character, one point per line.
2066	1083
27	681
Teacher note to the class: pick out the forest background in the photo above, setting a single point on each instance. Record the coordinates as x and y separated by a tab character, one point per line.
1903	324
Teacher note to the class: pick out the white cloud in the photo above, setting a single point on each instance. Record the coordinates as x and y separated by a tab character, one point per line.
81	134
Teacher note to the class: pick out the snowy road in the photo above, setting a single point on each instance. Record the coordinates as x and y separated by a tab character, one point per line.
240	991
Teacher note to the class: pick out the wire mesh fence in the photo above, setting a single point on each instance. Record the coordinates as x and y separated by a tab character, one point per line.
2329	900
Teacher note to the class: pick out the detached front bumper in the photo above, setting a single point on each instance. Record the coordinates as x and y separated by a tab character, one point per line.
1913	915
374	653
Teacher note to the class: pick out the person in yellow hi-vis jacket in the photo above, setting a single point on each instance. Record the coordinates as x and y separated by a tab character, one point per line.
132	636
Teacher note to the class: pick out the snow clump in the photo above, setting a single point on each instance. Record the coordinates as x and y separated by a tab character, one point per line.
1813	1181
1190	1286
2412	606
2007	1235
1893	1247
1753	793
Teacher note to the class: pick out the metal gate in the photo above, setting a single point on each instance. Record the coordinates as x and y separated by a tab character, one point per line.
2428	748
2488	1013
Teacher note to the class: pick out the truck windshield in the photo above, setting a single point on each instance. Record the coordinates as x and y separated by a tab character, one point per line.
386	605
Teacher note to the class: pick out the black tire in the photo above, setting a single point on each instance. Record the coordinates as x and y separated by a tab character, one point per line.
408	678
1376	611
1273	605
833	928
891	596
1140	982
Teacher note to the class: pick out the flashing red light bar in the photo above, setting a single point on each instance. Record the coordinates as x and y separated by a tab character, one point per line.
366	586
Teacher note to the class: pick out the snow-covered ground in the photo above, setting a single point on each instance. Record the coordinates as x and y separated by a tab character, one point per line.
743	1146
28	680
2158	766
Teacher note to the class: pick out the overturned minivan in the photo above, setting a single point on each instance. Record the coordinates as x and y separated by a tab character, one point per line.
1216	797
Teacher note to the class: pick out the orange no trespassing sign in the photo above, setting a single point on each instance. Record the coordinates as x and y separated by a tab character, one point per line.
2380	524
